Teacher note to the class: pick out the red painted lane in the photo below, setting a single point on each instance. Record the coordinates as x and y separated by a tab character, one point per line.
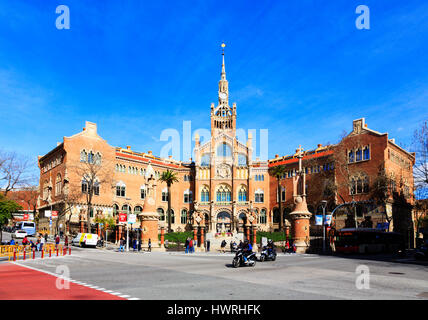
21	283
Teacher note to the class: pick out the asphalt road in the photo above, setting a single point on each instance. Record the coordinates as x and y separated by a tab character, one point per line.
210	276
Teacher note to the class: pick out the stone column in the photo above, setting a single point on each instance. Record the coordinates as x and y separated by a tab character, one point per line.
81	226
149	230
195	232
247	231
254	235
162	236
202	237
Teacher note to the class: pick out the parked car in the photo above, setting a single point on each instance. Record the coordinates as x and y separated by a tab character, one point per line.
85	240
19	234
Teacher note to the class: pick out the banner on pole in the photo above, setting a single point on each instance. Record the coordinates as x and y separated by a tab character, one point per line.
318	220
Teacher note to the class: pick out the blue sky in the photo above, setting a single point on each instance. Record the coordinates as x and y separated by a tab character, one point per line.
300	69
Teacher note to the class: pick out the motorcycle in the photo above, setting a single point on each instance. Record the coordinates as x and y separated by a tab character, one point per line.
238	260
422	253
265	255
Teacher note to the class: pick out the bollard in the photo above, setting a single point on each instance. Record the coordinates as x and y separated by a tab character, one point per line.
24	254
50	253
43	251
57	252
34	254
69	251
14	254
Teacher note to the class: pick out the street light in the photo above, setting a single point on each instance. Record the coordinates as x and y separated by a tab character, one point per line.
323	204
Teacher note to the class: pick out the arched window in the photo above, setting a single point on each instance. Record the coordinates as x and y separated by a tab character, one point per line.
359	184
223	194
138	209
187	196
359	155
98	158
120	189
126	208
164	194
96	188
83	156
282	195
58	184
351	156
262	216
224	150
85	186
183	219
205	160
242	194
161	214
91	157
259	196
115	209
276	215
205	194
366	153
242	160
143	192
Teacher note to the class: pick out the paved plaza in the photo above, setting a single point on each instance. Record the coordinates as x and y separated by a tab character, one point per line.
197	276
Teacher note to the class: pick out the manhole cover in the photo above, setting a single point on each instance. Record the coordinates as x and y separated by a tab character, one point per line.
423	295
396	273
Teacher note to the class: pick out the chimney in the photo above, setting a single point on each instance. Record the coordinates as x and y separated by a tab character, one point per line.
277	155
128	147
150	152
319	145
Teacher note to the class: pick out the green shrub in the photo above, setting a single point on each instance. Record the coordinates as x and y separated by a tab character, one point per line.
275	236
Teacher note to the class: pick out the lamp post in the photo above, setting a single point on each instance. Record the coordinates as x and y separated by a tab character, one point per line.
324	204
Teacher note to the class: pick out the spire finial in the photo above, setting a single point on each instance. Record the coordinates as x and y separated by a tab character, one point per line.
223	68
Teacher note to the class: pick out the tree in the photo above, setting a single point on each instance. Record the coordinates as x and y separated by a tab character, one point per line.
169	177
7	207
28	195
278	172
93	174
14	171
420	169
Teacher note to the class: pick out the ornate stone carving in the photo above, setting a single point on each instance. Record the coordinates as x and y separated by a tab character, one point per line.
223	171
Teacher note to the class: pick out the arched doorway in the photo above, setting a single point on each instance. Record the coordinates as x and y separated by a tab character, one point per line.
242	220
224	221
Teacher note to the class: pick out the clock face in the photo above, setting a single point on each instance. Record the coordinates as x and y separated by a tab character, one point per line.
222	95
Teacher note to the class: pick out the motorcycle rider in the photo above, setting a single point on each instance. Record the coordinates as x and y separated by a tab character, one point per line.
248	249
270	247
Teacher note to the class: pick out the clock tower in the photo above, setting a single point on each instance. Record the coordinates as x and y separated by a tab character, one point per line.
223	117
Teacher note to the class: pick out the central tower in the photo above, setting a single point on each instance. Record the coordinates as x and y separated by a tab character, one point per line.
223	117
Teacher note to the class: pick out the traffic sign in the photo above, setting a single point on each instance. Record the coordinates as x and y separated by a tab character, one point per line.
122	217
54	214
26	216
132	218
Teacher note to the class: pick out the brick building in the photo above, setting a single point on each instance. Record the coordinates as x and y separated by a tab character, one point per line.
223	191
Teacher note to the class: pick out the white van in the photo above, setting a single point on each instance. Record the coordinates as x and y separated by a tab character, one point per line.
85	240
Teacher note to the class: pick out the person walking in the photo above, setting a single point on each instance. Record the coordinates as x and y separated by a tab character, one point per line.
42	242
122	244
57	240
223	246
150	245
186	246
66	241
46	237
191	246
